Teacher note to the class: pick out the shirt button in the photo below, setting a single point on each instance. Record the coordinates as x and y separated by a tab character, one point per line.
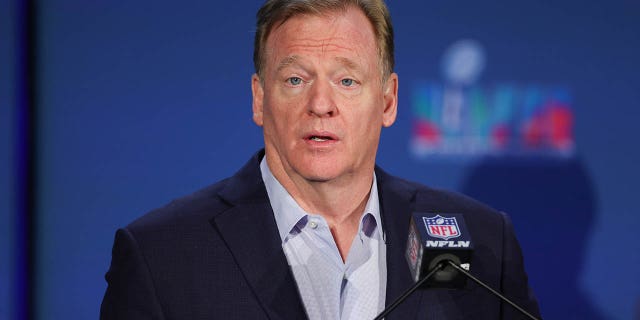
313	224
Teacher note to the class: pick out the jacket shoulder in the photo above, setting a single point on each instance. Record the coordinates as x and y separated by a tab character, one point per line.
201	205
192	214
425	198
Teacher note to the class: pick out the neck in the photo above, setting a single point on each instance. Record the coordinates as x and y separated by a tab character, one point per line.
334	199
340	201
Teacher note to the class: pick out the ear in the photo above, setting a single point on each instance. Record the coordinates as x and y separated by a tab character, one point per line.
390	91
258	97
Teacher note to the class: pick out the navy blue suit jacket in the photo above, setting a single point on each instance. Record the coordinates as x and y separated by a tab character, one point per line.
217	254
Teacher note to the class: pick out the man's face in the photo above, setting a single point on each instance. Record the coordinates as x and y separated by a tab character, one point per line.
322	102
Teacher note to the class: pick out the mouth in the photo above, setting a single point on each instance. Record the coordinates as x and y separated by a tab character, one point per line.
319	137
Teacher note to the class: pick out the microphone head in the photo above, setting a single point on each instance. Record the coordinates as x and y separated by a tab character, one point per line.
435	237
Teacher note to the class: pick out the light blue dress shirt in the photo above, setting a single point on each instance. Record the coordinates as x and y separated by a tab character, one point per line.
330	288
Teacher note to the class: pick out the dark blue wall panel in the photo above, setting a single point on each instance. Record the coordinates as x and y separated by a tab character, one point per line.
142	102
6	134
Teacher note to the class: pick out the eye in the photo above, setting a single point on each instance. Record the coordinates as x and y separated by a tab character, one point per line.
294	81
347	82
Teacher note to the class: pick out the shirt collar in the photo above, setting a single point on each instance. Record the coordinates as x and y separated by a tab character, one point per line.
372	208
288	213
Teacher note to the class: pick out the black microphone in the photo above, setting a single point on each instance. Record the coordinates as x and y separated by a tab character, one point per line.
434	238
439	250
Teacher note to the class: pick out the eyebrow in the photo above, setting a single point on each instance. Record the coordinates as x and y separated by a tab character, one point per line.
286	62
291	60
348	63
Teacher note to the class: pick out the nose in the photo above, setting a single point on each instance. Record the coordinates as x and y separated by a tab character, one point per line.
322	100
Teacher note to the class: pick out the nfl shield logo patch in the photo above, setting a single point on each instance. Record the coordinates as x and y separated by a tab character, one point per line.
442	227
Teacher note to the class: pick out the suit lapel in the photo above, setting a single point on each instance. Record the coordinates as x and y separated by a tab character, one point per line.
396	203
250	232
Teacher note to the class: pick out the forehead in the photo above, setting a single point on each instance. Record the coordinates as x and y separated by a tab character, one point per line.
341	33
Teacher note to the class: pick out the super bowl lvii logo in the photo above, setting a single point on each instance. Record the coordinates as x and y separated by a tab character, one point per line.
460	117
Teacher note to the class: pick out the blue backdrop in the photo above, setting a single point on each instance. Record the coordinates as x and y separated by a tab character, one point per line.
142	102
6	145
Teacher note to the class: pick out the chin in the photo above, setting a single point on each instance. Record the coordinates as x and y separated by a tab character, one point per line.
319	172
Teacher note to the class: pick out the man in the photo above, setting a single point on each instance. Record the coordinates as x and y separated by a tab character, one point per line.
309	227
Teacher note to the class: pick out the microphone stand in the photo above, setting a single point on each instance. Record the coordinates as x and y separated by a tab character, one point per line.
407	293
437	268
476	280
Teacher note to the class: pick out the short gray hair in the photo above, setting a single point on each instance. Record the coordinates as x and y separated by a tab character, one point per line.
275	12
